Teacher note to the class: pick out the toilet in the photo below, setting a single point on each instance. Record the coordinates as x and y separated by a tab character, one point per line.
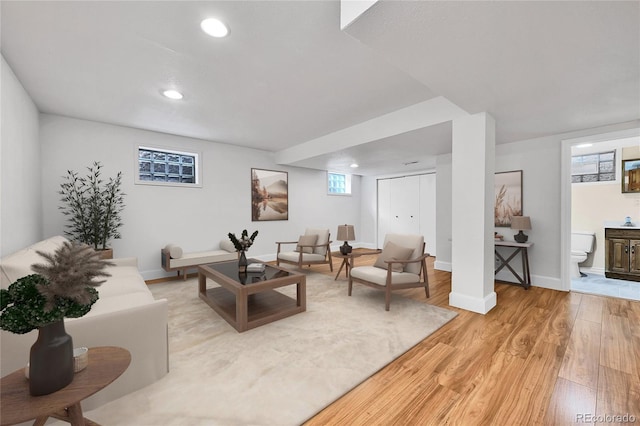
581	246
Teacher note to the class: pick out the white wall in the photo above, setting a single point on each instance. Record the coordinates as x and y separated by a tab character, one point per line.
20	200
194	218
540	161
443	212
366	235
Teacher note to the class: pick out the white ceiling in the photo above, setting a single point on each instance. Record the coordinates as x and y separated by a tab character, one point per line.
287	74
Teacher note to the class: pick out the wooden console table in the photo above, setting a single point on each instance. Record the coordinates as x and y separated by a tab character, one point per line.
106	364
521	248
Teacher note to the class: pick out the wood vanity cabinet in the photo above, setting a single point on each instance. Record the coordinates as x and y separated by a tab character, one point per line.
622	253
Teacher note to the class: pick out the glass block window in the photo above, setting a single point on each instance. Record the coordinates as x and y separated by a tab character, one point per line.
338	184
596	167
160	166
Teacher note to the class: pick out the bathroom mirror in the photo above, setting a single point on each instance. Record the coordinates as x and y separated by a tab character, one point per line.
631	175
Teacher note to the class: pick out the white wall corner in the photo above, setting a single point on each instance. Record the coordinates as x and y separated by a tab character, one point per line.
473	304
350	10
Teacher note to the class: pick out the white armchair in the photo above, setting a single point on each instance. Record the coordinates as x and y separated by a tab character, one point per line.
401	264
312	248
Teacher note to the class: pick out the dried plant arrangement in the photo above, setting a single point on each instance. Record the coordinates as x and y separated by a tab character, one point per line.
63	286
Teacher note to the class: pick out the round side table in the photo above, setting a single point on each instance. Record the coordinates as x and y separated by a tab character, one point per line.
106	364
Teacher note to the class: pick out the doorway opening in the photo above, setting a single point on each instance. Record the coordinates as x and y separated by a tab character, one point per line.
592	202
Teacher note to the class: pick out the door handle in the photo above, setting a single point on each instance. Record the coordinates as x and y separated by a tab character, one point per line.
626	249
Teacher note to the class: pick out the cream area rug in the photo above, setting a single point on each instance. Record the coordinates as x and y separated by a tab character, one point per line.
277	374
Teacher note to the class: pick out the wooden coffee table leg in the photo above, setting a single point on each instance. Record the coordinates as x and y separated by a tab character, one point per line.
242	311
40	421
301	289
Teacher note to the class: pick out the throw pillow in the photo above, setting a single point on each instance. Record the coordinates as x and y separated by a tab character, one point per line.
306	240
393	251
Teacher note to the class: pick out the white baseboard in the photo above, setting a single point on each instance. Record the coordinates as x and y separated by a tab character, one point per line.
473	304
592	270
442	266
541	281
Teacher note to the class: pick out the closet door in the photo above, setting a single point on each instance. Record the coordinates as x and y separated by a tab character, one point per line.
428	211
405	205
398	206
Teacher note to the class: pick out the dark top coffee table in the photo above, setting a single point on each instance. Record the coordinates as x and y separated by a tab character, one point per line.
249	300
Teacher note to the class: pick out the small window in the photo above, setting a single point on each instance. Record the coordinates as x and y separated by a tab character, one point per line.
338	184
596	167
159	166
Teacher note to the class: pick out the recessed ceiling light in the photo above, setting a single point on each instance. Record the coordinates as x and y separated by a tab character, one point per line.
214	27
354	165
172	94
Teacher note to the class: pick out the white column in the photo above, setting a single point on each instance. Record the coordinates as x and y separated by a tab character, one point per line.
472	255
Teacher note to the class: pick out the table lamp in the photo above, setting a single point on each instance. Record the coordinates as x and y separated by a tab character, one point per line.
346	233
520	223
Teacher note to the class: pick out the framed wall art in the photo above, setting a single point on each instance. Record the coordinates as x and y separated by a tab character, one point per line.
269	195
631	175
508	201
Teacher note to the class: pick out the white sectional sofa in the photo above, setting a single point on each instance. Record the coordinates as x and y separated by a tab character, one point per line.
125	315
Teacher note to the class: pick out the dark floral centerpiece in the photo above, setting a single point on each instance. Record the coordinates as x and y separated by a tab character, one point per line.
241	246
62	287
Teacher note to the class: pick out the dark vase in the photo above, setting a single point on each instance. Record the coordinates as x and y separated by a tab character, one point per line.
242	262
50	360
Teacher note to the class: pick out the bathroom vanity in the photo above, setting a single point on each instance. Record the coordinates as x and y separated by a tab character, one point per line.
622	253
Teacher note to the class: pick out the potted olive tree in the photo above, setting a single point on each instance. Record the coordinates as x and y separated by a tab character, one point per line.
92	207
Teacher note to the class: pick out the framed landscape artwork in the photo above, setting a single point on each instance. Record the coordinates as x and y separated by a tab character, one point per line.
269	195
508	201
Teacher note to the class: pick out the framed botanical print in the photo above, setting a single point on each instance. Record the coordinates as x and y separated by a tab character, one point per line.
508	197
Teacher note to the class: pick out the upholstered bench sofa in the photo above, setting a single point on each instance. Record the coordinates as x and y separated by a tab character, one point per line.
174	259
125	315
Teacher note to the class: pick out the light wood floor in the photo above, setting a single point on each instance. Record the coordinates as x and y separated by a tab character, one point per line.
540	357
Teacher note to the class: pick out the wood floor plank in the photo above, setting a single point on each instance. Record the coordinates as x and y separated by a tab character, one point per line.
570	403
506	389
618	394
617	345
481	402
582	356
525	335
617	307
634	318
527	402
591	308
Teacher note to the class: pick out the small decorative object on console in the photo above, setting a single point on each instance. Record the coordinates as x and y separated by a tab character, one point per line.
255	267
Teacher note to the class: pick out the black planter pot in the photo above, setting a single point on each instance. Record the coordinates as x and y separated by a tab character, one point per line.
50	360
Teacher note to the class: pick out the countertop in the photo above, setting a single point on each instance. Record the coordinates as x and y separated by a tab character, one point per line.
620	225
